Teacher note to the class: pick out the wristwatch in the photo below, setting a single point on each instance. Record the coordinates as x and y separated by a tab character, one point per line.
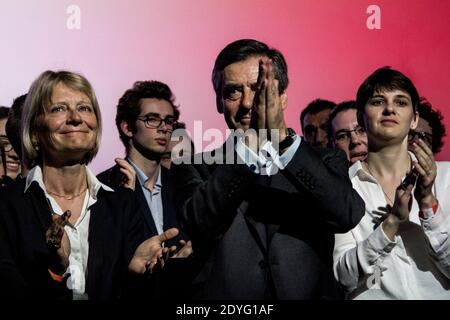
287	142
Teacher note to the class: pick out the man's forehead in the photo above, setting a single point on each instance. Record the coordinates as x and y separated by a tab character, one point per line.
157	106
244	69
339	125
317	116
345	116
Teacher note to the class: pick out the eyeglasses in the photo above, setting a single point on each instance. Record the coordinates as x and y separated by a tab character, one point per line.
346	135
152	122
5	144
425	136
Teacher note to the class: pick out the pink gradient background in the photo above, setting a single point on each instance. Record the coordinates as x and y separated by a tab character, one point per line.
326	43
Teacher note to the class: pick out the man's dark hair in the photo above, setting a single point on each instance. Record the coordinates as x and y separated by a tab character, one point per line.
179	125
13	125
4	112
241	50
340	107
315	107
129	106
384	79
434	119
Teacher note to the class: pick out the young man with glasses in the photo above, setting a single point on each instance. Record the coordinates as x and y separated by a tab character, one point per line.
146	115
345	133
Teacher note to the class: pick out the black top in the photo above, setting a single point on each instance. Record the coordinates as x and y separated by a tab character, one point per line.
115	231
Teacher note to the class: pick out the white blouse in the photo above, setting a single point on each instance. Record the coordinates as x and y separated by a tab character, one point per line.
78	237
414	266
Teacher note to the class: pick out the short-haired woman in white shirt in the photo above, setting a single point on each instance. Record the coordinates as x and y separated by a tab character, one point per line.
400	249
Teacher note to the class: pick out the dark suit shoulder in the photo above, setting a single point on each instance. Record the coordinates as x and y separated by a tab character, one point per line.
112	177
311	154
14	194
120	194
16	187
165	174
327	152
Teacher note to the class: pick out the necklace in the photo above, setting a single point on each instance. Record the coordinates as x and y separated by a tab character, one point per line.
67	197
387	197
385	194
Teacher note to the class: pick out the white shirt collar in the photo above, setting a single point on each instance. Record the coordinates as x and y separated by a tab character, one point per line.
142	178
94	184
357	170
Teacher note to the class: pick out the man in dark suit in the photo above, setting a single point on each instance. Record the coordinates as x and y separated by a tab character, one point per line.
146	115
262	214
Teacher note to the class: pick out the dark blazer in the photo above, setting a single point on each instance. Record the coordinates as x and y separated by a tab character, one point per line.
115	231
259	237
113	178
173	282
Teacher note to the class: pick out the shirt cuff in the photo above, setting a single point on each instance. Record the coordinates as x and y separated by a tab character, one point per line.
380	242
433	220
268	161
376	246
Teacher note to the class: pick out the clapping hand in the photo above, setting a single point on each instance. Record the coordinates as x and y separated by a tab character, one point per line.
427	171
127	169
149	255
268	105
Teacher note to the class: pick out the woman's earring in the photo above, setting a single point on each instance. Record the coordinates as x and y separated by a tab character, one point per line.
35	144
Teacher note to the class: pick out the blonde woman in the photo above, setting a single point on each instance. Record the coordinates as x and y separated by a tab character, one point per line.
63	233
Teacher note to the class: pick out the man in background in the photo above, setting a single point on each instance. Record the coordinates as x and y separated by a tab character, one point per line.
314	122
430	127
345	133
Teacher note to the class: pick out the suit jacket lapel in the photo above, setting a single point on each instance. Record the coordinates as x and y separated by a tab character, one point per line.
169	215
42	209
97	245
257	229
266	231
277	182
145	209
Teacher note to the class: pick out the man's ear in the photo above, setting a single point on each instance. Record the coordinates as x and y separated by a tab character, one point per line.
219	104
125	127
284	100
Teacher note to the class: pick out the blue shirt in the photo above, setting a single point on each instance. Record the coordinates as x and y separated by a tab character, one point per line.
153	197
